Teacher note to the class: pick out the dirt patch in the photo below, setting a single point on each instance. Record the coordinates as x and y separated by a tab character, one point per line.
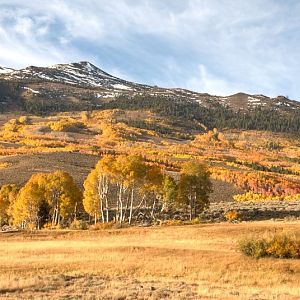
97	287
223	191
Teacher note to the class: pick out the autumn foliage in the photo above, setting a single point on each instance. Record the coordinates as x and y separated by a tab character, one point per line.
258	182
129	187
52	198
279	245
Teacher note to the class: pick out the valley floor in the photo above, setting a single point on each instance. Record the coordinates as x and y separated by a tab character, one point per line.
183	262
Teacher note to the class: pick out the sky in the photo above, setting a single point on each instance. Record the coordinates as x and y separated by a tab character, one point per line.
212	46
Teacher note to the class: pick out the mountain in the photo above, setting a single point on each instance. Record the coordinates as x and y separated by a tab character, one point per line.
87	75
82	86
82	73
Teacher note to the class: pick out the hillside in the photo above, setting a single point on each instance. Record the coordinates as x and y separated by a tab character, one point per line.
83	86
240	161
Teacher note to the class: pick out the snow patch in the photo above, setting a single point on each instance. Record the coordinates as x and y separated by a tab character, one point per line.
251	99
31	90
5	70
104	96
121	87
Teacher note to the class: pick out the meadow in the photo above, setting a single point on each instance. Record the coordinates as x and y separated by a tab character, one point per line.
172	262
175	262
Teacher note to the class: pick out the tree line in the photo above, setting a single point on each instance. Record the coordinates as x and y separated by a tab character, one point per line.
120	189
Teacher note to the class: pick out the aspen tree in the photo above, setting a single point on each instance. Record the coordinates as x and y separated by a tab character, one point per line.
27	205
97	190
194	187
8	195
169	192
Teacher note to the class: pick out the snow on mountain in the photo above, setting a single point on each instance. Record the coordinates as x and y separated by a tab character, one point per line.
104	86
122	87
82	73
6	70
31	90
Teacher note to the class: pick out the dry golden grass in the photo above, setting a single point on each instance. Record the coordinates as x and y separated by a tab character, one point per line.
182	262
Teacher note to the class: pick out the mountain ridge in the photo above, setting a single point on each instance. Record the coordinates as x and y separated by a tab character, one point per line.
86	74
83	86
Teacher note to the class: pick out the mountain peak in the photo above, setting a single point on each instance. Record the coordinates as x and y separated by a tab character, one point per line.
84	67
80	64
81	73
86	64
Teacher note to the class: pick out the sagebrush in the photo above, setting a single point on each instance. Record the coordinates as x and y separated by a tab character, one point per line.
278	245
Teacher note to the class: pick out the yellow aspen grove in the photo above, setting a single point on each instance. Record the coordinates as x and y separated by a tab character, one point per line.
62	195
50	197
120	181
141	191
130	173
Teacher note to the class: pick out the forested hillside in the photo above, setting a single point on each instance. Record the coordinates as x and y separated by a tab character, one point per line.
213	116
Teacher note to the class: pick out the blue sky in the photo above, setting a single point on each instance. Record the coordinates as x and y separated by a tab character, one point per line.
215	46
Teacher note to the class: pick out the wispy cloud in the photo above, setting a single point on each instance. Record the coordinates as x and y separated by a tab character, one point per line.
214	46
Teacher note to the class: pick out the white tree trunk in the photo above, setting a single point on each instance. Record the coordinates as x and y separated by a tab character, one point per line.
131	206
121	202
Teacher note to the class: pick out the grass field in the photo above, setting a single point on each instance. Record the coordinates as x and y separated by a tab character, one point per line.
184	262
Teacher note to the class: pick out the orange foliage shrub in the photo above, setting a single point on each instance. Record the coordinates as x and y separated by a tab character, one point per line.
258	182
232	215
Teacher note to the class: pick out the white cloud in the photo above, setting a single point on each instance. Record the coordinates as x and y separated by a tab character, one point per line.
238	44
206	82
23	26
